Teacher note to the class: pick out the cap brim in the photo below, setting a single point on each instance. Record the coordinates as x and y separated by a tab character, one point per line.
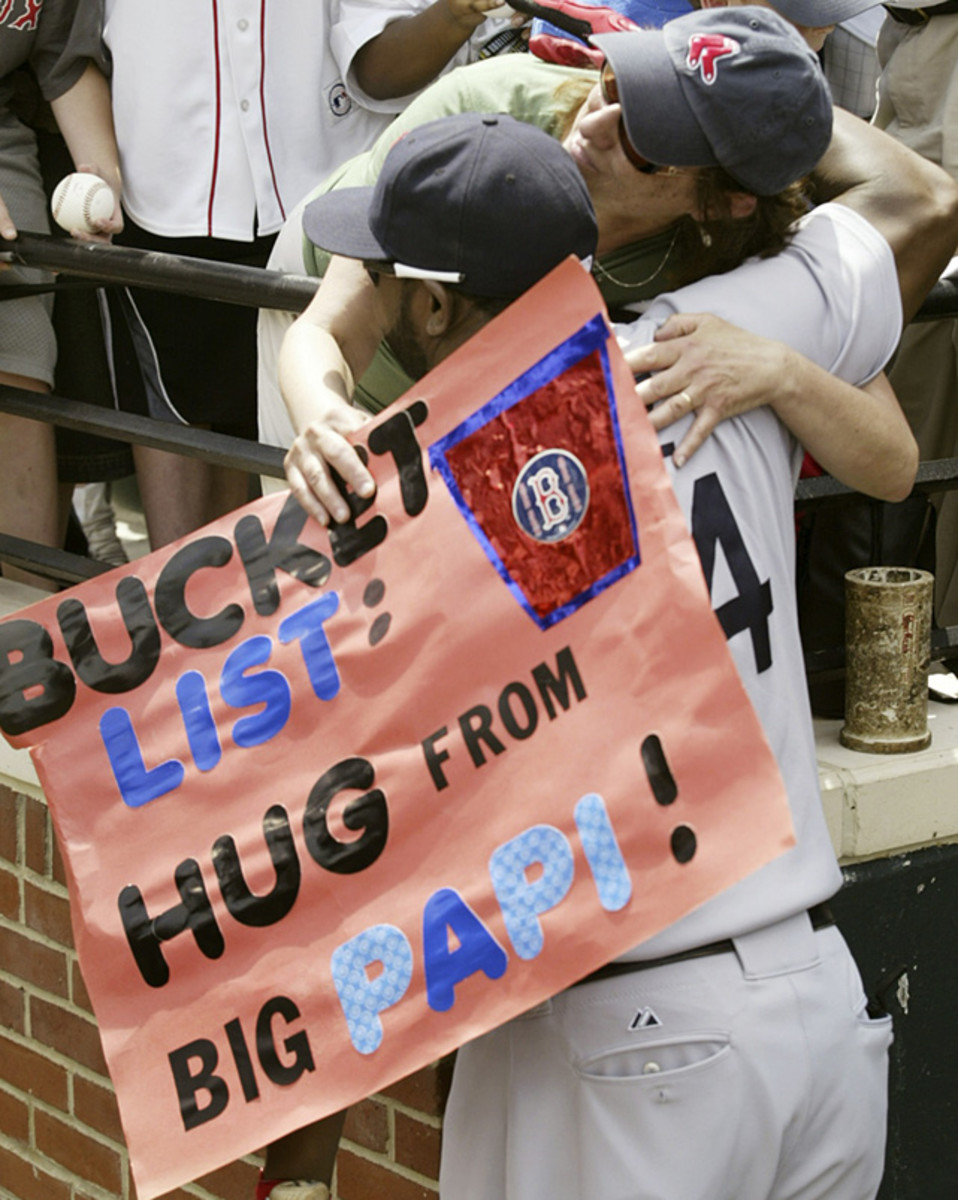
658	118
338	221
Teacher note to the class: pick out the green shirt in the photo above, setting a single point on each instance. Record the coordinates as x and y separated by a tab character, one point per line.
526	88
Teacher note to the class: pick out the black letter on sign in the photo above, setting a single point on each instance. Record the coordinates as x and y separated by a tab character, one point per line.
262	559
367	813
550	686
257	911
188	1084
170	598
397	437
435	758
509	719
349	540
145	934
32	667
475	727
244	1064
89	663
297	1045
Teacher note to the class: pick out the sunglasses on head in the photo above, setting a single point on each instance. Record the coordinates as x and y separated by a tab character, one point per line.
609	90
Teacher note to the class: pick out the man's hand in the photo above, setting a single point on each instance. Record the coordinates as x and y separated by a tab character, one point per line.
108	226
318	451
703	364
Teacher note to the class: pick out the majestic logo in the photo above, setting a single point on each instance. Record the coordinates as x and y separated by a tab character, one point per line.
705	50
340	101
551	496
645	1018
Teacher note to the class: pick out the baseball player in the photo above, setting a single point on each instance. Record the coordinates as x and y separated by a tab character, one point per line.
732	1055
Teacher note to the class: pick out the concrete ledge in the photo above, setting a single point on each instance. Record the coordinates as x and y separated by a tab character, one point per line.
880	804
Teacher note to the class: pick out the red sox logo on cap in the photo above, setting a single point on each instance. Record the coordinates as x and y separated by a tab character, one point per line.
705	50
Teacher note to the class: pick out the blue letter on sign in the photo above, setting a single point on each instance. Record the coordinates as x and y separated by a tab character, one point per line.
138	786
522	901
364	999
478	950
602	851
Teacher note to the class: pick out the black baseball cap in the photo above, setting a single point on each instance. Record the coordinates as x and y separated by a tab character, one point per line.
479	200
737	88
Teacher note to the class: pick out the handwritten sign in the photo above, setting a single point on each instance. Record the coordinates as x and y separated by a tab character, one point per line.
333	803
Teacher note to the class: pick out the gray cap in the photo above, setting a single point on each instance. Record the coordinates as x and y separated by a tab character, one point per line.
732	87
477	199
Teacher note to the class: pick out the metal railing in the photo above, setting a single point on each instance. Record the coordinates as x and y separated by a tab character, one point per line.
91	265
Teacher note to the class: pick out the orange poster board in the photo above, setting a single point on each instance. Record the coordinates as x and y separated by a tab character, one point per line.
331	805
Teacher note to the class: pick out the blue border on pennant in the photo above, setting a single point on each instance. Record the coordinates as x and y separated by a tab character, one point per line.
590	337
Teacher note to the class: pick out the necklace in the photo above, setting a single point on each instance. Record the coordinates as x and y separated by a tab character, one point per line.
598	268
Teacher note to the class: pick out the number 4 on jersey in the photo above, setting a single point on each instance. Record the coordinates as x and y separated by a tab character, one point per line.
713	523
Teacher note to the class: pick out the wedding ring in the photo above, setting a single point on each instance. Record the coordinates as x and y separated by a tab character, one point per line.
686	401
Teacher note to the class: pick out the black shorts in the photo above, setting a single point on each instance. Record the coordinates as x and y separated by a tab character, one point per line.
186	360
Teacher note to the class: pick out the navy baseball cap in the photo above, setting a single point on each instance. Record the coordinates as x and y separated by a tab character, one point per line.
480	200
736	88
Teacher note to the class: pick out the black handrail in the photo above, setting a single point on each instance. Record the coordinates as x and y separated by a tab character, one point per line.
102	265
218	448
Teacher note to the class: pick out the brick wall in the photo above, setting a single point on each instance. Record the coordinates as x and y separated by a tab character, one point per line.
60	1135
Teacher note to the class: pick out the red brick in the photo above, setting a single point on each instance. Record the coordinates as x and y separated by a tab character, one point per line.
26	1068
48	913
9	895
42	966
81	997
98	1164
14	1117
237	1181
359	1179
35	842
13	1007
367	1123
9	810
417	1146
424	1090
28	1182
71	1034
95	1106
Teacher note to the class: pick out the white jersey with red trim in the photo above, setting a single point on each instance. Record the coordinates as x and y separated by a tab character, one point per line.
228	112
833	294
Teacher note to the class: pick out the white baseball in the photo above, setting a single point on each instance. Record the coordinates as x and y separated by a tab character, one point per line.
81	199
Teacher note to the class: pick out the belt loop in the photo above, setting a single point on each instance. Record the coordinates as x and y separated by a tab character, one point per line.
909	16
778	949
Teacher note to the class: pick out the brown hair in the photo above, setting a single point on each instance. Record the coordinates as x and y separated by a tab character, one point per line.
719	241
